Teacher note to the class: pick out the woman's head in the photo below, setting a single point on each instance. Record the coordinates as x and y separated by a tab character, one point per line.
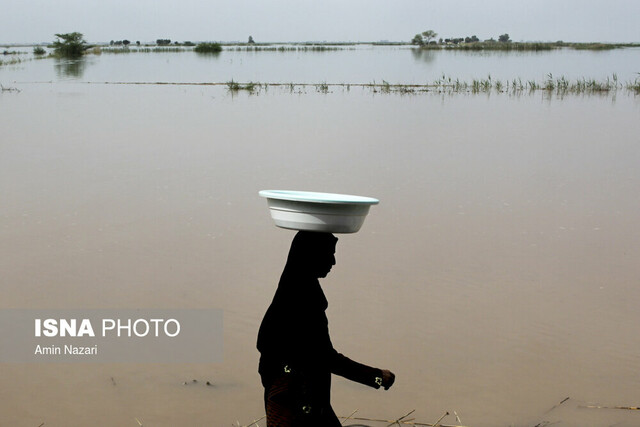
312	253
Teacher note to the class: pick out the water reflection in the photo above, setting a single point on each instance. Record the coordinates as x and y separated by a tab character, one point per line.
426	55
70	68
208	54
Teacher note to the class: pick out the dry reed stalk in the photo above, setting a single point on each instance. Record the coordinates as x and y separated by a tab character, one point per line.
458	420
558	404
255	422
437	423
397	421
403	422
350	415
628	408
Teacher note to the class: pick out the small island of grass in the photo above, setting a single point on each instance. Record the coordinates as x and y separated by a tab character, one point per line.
208	48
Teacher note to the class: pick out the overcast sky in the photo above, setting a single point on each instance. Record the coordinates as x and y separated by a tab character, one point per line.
28	21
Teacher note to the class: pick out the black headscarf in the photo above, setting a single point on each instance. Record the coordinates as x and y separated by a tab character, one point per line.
310	252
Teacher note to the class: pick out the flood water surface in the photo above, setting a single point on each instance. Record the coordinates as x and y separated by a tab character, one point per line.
345	64
497	276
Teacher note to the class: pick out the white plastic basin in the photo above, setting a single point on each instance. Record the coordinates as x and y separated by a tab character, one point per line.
327	212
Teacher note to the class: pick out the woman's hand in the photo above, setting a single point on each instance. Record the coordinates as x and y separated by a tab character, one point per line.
388	378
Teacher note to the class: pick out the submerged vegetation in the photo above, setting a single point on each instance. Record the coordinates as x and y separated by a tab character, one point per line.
235	87
12	52
99	50
289	48
552	86
526	46
493	45
444	85
13	57
557	86
70	45
536	46
10	61
426	40
635	85
322	87
8	89
208	48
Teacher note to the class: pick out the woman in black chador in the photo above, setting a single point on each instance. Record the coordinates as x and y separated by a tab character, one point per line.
297	357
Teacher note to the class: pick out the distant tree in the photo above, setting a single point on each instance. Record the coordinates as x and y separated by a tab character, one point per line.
188	43
138	42
126	42
39	50
70	45
504	38
111	42
163	42
417	39
429	35
251	40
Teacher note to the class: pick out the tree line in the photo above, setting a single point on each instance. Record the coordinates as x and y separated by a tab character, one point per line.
429	38
73	45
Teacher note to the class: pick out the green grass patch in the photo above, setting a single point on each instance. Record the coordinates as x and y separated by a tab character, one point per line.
322	87
12	52
10	61
236	87
208	48
125	50
290	48
502	46
593	46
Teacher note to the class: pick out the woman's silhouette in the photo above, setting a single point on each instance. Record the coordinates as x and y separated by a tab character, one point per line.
297	357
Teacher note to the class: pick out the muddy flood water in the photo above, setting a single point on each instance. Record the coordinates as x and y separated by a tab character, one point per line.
498	275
